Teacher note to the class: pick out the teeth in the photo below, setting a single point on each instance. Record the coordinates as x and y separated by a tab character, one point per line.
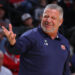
46	23
50	23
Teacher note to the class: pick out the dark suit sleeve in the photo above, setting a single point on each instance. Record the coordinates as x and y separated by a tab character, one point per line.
22	45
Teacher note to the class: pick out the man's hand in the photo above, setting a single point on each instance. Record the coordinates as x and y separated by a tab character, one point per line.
9	34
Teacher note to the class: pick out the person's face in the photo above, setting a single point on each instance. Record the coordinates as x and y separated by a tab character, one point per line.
51	20
28	22
2	13
1	59
43	2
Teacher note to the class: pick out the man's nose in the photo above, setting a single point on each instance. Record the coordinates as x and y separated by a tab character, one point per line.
49	19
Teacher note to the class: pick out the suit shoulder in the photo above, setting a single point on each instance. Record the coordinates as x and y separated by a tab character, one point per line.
30	32
63	38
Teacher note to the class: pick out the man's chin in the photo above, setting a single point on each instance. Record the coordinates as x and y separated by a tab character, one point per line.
47	31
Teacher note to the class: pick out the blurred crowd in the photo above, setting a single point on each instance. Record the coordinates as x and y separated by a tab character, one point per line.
25	15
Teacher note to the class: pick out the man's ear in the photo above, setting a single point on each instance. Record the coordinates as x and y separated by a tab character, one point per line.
61	21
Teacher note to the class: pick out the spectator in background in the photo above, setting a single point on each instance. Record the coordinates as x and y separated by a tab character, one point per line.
73	63
39	11
28	6
2	41
67	6
25	6
15	2
27	23
72	42
69	20
4	21
12	62
27	20
3	70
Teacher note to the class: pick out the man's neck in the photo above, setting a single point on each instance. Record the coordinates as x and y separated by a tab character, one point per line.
53	35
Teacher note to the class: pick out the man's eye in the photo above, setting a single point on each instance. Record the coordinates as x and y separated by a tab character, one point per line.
45	16
53	18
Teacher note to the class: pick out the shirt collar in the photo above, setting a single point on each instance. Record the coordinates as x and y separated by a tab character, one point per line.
45	35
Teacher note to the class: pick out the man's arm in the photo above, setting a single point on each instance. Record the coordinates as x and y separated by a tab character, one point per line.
23	44
13	45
